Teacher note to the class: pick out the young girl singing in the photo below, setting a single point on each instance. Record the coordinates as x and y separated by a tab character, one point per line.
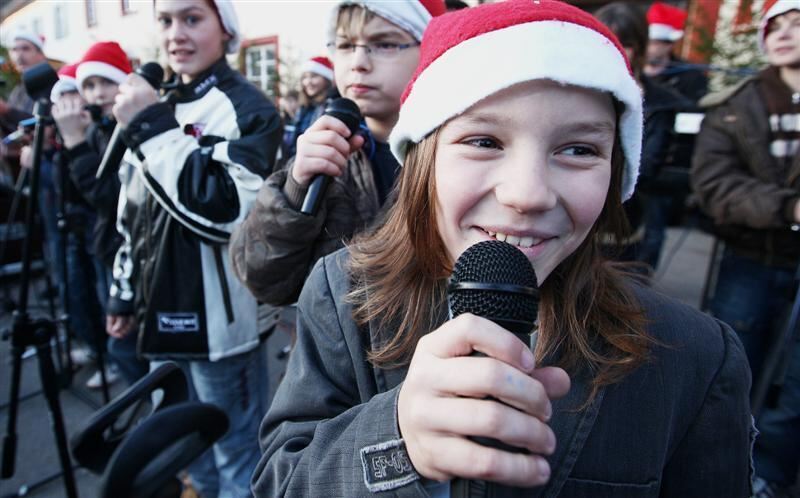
522	123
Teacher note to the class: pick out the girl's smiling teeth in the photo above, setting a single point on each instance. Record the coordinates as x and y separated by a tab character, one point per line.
514	240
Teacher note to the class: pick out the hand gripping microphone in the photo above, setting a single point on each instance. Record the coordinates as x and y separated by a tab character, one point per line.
153	73
493	280
346	111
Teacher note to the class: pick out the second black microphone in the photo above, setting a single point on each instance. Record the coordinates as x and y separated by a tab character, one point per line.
346	111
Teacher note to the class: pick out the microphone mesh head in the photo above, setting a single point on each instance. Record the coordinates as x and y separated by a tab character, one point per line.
495	262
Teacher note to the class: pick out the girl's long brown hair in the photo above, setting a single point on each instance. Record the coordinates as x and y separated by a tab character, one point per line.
588	316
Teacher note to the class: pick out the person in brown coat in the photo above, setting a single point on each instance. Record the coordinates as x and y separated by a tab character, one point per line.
746	176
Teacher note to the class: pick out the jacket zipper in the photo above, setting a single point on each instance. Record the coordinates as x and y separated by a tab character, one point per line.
223	282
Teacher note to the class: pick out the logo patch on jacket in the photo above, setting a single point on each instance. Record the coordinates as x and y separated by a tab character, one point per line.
386	466
175	323
194	129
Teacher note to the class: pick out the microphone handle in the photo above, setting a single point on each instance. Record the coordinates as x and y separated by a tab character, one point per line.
315	193
524	332
114	151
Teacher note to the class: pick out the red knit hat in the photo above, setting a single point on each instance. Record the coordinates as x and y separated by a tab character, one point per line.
665	22
66	82
410	15
512	42
319	65
106	59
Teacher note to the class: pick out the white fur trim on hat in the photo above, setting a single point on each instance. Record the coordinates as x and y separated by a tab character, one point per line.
409	15
230	22
96	68
63	85
664	32
564	59
312	66
29	36
781	7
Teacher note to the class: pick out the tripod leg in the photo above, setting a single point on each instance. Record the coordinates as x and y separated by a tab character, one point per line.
10	438
44	332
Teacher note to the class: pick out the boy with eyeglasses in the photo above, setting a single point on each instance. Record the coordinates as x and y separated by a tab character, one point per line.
374	47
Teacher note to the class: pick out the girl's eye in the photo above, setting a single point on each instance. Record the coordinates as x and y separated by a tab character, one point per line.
192	20
483	143
164	21
579	150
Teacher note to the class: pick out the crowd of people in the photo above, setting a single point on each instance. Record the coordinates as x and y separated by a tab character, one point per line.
533	123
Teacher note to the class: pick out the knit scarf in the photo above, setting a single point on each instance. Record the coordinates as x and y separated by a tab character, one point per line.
783	106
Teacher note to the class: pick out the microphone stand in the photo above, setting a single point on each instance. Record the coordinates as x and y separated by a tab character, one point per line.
38	333
776	363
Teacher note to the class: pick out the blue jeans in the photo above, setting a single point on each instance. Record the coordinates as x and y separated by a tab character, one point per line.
754	299
777	449
86	313
657	212
239	386
47	203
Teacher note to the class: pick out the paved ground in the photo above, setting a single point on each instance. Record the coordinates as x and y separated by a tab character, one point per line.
686	257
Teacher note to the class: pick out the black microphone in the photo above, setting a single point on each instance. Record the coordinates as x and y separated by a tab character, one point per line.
153	73
346	111
494	280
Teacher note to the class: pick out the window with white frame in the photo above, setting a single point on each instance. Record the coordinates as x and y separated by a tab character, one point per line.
60	21
261	66
91	12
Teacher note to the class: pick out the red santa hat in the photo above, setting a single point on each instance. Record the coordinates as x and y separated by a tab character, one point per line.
66	82
319	65
665	22
29	36
410	15
516	41
781	7
106	59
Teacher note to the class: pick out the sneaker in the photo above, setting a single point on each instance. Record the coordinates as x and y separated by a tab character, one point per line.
96	380
81	356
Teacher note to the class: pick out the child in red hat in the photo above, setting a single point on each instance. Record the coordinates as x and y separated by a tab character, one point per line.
316	81
665	24
374	47
746	178
92	239
625	391
197	157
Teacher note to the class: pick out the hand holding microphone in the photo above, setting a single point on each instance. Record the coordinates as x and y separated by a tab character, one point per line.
72	119
139	92
453	401
323	150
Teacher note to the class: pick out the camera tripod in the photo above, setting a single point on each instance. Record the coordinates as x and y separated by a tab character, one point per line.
38	333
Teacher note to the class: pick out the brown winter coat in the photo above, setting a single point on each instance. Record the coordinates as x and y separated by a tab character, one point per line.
274	249
747	193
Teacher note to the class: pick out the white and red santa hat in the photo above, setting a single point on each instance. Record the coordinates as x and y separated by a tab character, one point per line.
319	65
485	49
230	23
106	59
410	15
29	36
779	8
665	22
66	82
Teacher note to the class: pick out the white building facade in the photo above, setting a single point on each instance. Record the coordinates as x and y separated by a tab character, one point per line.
277	35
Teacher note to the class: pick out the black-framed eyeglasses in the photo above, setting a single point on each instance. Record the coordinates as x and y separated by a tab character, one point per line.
375	49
